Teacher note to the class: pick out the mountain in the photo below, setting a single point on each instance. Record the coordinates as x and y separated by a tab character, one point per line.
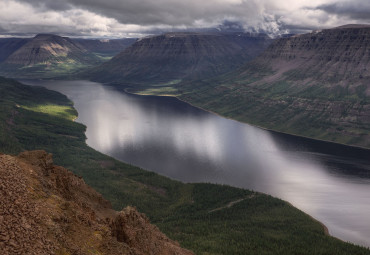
9	45
53	45
315	85
338	56
45	48
172	57
108	47
45	209
47	56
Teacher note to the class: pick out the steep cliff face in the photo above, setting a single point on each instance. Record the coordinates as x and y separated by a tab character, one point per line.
177	56
45	209
45	48
316	85
339	56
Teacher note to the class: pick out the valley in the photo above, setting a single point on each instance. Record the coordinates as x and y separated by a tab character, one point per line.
180	210
296	88
194	146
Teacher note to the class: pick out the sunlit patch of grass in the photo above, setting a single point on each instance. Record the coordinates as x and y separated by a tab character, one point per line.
172	82
63	111
159	91
104	57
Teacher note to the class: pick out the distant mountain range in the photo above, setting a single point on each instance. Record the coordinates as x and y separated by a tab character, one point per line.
315	85
168	58
109	47
48	55
173	57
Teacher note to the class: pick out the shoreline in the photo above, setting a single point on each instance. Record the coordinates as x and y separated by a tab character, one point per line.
246	123
324	227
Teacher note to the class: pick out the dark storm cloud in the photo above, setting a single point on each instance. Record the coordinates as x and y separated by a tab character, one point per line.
33	29
148	12
49	4
359	9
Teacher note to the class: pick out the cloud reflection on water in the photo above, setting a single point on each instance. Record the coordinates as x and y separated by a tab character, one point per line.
174	139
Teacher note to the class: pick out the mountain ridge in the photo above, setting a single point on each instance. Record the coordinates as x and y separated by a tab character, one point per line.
332	54
171	57
105	46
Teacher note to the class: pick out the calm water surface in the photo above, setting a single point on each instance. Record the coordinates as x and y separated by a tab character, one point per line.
162	134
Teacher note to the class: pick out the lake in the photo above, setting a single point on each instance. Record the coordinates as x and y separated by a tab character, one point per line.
328	181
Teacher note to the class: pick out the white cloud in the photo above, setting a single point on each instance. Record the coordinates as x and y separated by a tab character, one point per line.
124	17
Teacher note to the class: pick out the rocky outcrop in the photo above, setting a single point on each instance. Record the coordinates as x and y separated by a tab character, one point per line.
134	229
177	56
45	209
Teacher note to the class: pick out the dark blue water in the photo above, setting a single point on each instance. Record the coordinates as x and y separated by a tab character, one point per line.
331	182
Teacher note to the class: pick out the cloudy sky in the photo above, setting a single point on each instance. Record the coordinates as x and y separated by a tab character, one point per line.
131	18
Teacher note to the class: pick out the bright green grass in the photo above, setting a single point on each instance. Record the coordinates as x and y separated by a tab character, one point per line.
104	57
63	111
158	91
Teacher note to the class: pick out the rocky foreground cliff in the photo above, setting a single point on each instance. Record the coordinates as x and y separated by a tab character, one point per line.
45	209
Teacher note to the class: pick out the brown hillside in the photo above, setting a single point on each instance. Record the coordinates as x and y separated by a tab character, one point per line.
45	48
45	209
327	58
